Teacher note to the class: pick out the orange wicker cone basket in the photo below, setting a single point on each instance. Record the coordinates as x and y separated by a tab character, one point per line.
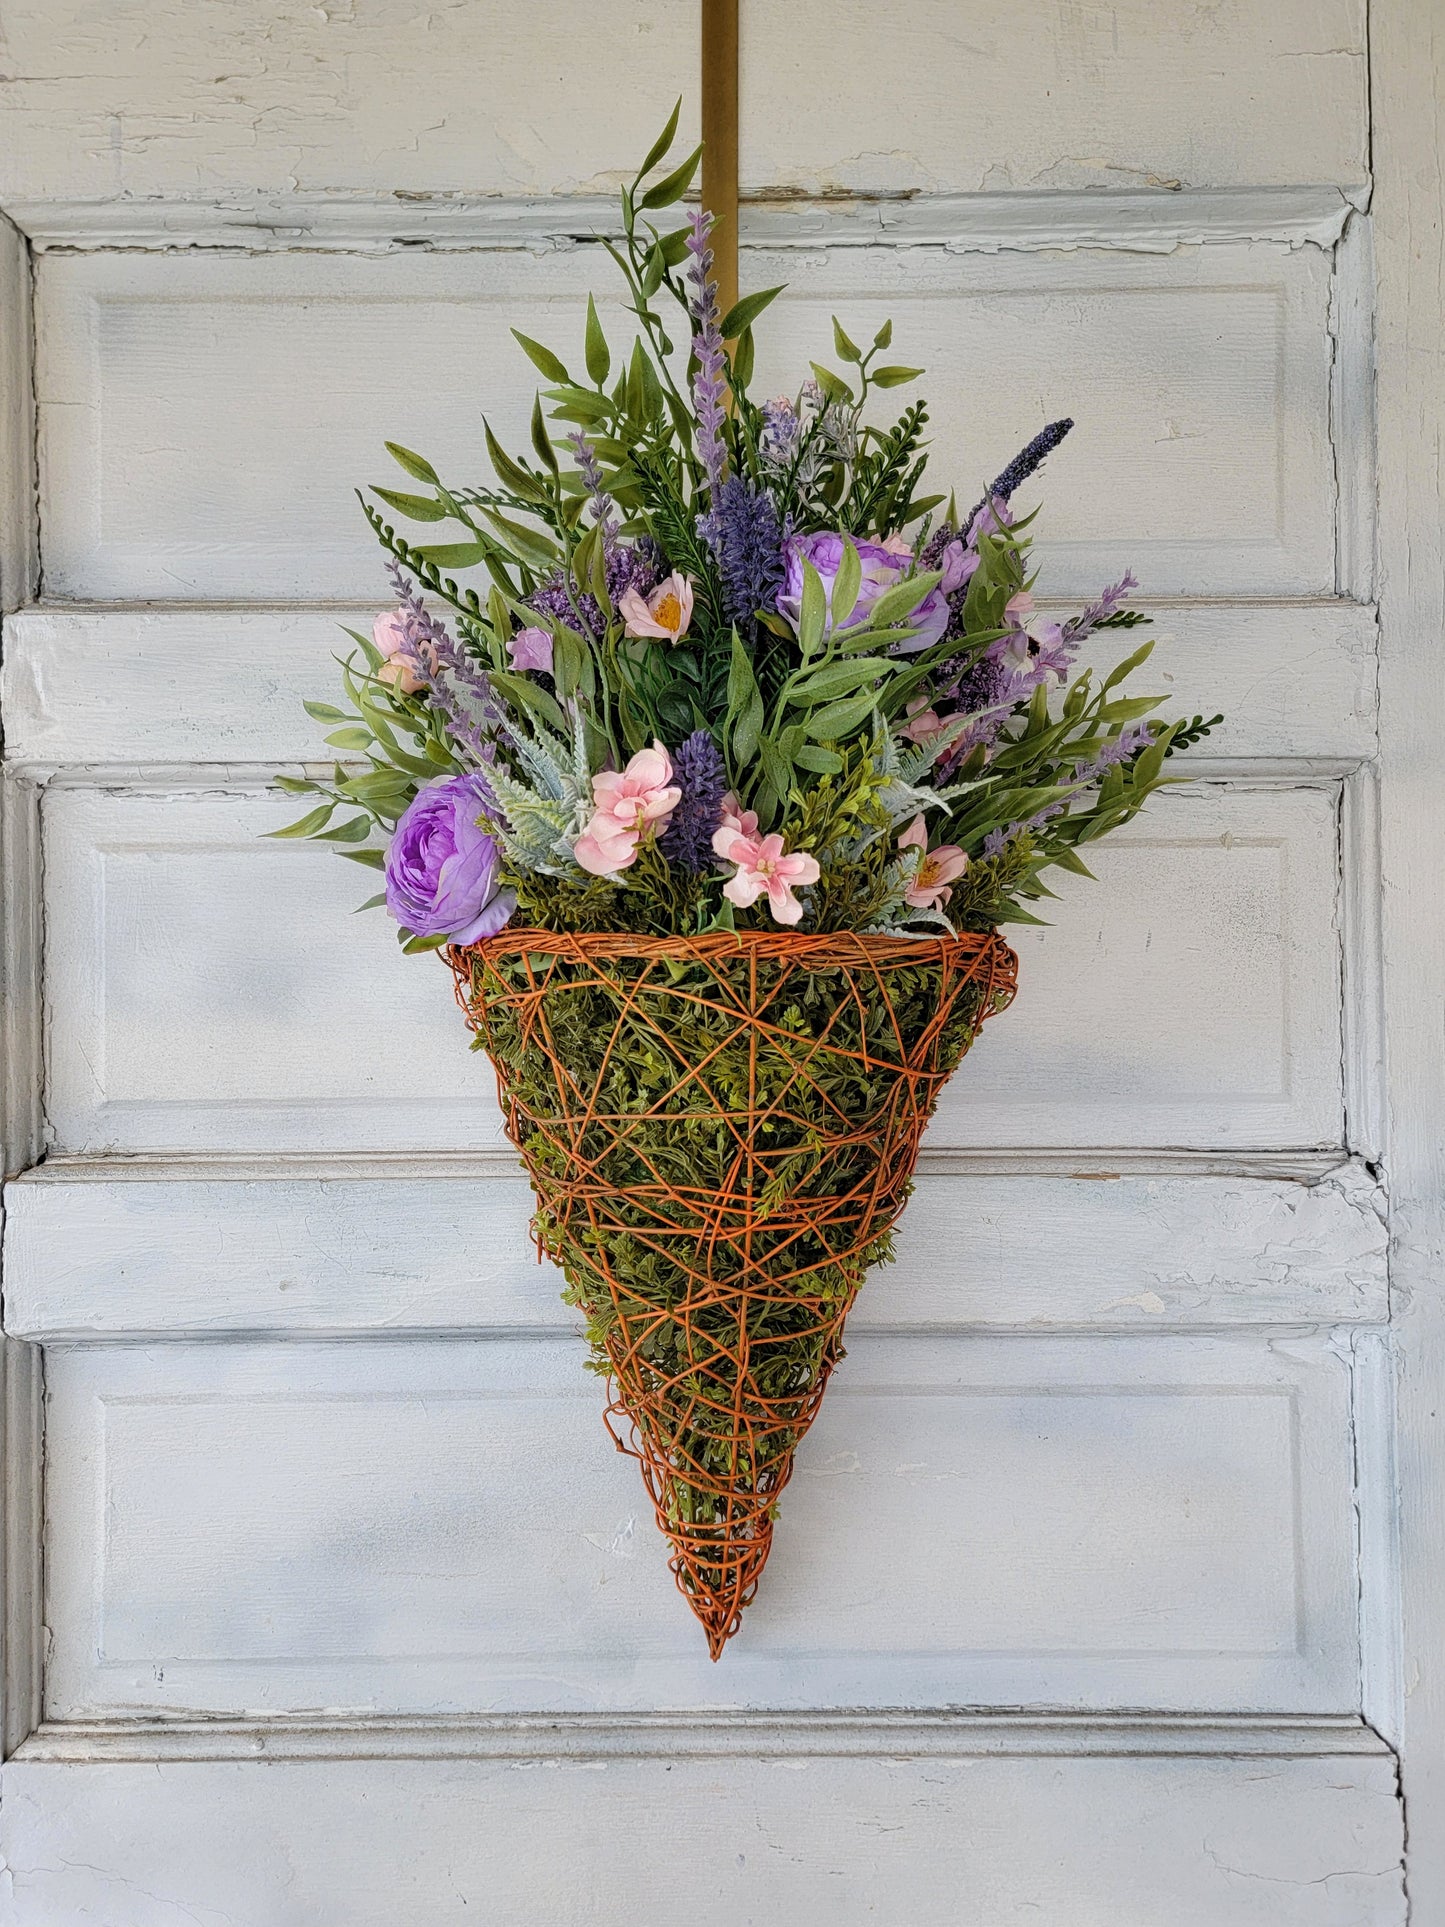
721	1133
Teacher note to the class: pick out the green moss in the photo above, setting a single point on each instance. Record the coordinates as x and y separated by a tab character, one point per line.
632	1087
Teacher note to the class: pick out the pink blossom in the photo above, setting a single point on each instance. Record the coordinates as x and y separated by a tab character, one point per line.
924	722
401	667
735	821
664	615
763	865
937	869
628	803
531	649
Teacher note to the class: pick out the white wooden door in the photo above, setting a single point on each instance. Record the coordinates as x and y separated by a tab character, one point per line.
326	1599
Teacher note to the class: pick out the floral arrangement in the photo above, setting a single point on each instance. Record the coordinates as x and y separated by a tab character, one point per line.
716	786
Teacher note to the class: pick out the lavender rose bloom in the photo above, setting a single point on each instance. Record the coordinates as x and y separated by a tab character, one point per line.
441	870
884	563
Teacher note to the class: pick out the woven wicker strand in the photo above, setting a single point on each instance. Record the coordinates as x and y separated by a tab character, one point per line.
758	1264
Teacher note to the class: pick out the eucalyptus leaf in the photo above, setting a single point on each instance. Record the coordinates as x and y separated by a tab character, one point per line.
813	612
847	583
455	555
308	825
356	829
541	358
843	347
416	508
842	678
660	146
836	721
598	355
415	465
742	314
673	186
745	706
526	544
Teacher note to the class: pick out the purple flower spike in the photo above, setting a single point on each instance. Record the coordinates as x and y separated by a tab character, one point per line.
698	771
707	345
460	690
1030	458
598	500
744	534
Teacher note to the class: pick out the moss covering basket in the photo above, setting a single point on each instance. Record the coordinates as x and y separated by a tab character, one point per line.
721	1133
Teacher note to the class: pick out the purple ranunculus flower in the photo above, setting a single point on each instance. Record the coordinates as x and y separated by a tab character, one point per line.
441	869
884	563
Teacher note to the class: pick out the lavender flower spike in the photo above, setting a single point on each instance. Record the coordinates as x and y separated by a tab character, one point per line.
598	500
698	771
707	346
1108	604
746	537
437	662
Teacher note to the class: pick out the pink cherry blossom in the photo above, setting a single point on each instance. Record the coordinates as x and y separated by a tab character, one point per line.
764	865
937	869
924	722
735	821
400	667
664	615
629	803
531	649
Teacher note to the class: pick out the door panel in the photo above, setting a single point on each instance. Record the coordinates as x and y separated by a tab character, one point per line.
1083	1603
211	991
443	1528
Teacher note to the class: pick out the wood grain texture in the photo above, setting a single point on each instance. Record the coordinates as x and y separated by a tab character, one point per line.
1200	381
89	687
444	1527
1195	1843
101	1254
208	992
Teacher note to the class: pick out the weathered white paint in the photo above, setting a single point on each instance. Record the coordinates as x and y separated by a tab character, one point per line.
1133	1842
22	1629
1144	220
1224	398
1200	381
177	101
422	1527
85	687
207	991
17	424
94	1250
1409	64
714	1734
